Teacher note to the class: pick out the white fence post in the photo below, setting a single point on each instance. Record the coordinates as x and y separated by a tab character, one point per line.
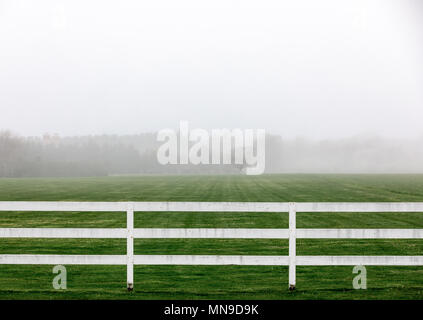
292	245
130	247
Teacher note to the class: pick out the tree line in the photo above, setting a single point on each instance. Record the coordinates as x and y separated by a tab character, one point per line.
102	155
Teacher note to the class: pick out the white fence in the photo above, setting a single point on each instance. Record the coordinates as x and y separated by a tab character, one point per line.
292	234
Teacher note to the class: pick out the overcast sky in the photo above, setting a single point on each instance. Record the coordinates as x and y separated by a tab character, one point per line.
321	69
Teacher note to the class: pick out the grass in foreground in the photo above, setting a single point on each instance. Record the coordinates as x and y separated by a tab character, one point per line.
213	282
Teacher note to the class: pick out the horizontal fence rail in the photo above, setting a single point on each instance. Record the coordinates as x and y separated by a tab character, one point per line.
212	260
130	233
212	206
154	233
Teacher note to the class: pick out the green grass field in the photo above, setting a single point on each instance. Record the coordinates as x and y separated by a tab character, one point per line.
213	282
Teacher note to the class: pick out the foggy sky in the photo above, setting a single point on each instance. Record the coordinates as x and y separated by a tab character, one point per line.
318	69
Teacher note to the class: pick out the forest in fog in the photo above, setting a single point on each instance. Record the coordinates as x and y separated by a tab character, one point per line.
102	155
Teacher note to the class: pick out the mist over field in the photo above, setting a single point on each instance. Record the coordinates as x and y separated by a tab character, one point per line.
51	155
337	85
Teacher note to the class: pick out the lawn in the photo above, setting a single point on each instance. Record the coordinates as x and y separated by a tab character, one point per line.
213	282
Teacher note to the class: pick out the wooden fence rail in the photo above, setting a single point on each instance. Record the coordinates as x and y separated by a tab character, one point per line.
292	233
